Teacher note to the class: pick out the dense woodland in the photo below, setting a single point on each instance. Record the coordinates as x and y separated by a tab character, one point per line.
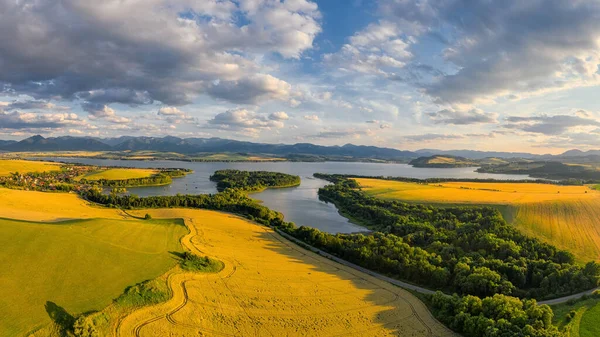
253	180
498	315
467	250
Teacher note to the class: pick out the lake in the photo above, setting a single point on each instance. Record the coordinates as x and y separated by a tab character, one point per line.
301	204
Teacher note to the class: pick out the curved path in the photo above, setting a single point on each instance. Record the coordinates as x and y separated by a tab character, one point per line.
271	287
568	298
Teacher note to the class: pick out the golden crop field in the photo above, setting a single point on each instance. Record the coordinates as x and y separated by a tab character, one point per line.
270	287
565	216
119	174
41	206
442	160
8	166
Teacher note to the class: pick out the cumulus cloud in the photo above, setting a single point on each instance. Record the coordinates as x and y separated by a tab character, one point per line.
549	125
97	110
168	51
500	48
240	119
378	49
170	111
257	88
29	120
173	115
588	140
462	117
279	116
103	112
34	104
313	118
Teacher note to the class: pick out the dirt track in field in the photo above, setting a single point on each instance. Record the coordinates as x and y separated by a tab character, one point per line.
270	287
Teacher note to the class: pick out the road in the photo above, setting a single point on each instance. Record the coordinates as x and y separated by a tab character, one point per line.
357	267
408	285
567	298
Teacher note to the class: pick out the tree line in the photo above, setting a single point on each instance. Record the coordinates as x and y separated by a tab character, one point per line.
468	250
339	177
253	181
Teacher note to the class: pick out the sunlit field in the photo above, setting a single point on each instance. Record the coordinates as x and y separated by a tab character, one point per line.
119	174
565	216
8	166
41	206
270	287
584	318
73	265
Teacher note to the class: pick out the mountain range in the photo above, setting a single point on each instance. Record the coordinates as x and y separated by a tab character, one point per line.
219	145
198	145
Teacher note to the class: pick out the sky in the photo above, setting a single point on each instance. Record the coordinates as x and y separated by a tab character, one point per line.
507	75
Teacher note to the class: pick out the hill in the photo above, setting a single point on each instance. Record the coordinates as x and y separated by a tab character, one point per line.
443	161
473	154
546	169
67	143
299	151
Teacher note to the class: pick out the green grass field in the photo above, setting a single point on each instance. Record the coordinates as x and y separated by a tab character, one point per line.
119	174
8	166
585	318
77	265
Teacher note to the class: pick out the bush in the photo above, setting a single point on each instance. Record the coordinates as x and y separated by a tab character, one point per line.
84	327
191	262
145	293
147	217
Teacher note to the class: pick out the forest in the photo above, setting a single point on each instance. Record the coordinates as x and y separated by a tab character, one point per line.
253	181
468	250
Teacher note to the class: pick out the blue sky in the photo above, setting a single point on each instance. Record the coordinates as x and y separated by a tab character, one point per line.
448	74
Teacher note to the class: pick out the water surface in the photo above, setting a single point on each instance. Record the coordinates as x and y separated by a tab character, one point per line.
301	204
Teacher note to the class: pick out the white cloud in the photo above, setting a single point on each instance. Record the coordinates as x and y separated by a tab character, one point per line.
279	116
106	58
244	120
313	118
462	116
250	90
378	49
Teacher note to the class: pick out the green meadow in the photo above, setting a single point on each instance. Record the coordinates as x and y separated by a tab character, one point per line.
76	266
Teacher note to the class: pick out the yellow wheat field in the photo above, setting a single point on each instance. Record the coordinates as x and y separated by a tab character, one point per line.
119	174
475	193
270	287
41	206
565	216
8	166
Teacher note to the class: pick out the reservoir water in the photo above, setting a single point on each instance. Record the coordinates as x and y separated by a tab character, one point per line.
301	204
